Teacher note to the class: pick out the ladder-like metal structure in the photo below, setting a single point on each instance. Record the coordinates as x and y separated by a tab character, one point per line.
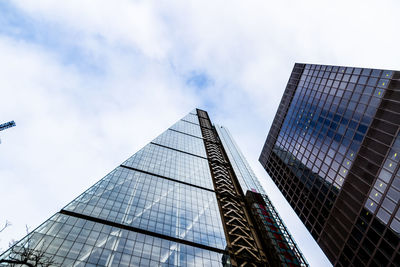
243	244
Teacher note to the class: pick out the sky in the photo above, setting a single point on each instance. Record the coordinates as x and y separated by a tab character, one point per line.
90	82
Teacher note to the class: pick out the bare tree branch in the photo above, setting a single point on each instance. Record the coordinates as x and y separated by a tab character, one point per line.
16	262
5	226
23	254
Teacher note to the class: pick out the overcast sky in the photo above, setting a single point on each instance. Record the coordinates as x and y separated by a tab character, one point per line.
89	82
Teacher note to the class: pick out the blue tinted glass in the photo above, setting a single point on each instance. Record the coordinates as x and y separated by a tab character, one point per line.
76	242
175	165
336	118
182	142
148	202
163	192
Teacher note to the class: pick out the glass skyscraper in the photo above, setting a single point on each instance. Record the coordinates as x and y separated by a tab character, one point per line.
333	150
188	198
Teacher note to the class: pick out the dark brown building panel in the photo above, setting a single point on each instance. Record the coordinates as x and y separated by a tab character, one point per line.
333	150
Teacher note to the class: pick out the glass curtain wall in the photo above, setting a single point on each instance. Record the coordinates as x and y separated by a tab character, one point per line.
156	208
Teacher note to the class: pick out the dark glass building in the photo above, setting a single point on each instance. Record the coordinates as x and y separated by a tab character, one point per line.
333	150
188	198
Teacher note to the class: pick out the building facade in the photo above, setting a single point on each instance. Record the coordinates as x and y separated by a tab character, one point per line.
333	151
179	201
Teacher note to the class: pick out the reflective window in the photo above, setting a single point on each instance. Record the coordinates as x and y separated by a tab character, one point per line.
188	128
77	242
182	142
388	184
155	204
172	164
163	190
191	117
245	175
321	114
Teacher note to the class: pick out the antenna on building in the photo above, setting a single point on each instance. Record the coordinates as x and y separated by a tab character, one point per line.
6	126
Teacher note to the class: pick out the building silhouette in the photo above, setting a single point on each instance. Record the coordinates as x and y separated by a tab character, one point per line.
333	150
188	198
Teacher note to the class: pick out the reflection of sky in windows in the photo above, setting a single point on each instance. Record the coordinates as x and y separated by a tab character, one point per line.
155	204
329	115
191	118
145	202
188	128
182	142
172	164
77	242
245	175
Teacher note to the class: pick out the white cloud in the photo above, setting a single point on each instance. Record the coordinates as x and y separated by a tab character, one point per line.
119	22
71	130
111	76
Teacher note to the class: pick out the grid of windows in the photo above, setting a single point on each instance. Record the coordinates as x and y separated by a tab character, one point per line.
188	128
309	194
172	164
386	190
191	118
78	242
328	117
245	175
134	218
154	204
333	152
181	142
330	113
